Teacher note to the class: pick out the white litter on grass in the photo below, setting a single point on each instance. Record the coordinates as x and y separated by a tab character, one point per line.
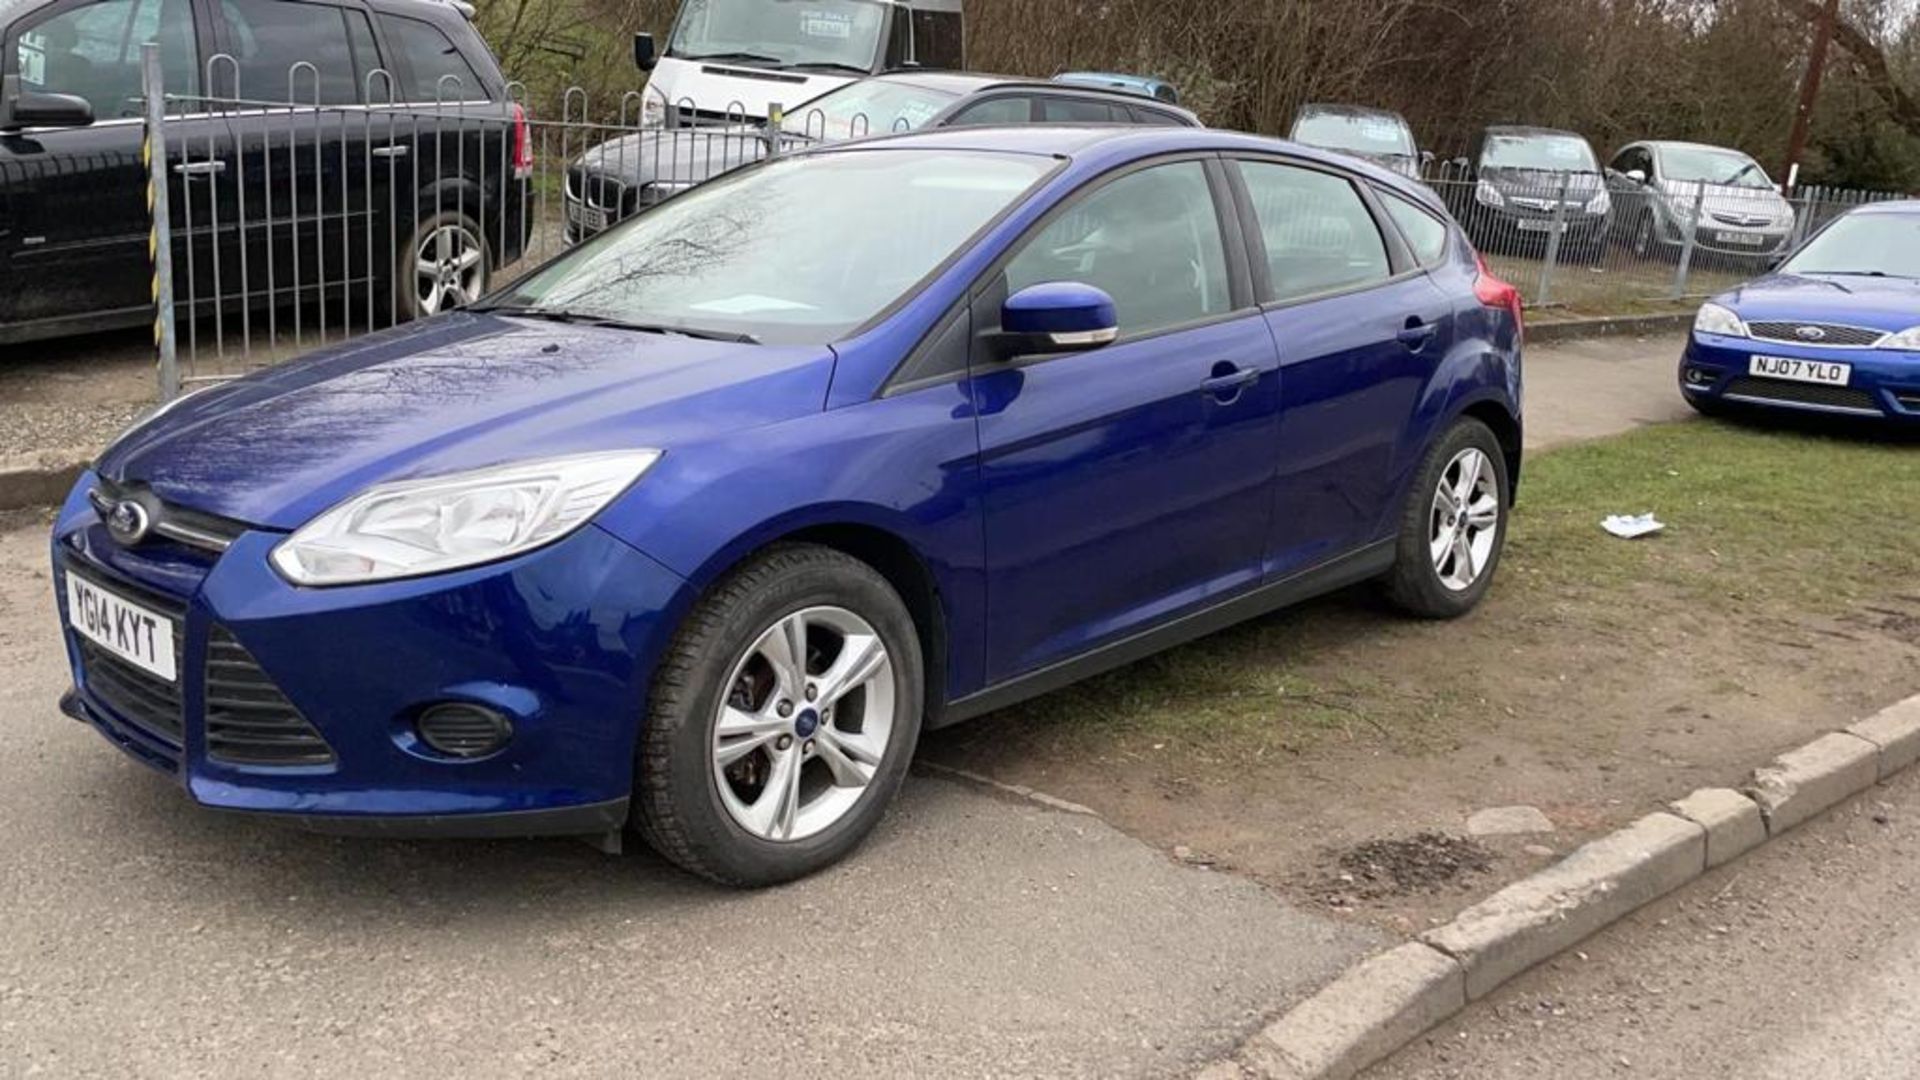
1628	527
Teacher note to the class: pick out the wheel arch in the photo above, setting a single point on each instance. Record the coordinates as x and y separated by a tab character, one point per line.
1506	428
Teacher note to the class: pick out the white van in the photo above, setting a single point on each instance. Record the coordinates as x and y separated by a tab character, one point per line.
728	60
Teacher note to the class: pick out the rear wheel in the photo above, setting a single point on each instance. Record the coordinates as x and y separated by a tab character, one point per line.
1454	525
782	721
444	264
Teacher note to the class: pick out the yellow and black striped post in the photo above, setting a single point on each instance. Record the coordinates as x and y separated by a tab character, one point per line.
153	155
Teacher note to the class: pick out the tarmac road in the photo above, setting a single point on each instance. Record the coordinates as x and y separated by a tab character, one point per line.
972	936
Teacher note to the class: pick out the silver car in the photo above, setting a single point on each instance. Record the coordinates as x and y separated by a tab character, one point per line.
1662	191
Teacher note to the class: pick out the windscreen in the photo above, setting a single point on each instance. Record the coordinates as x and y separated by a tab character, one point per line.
1552	153
1704	164
1863	244
781	33
1381	135
869	107
800	250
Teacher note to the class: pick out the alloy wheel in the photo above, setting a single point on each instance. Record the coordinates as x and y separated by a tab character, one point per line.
804	724
1465	519
449	269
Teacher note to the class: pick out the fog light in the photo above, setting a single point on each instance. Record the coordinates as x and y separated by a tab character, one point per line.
463	731
1698	376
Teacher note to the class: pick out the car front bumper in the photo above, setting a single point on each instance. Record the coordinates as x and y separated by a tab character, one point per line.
1881	384
559	641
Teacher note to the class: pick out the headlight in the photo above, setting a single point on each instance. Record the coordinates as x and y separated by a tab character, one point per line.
1599	204
1908	339
1714	319
653	111
1487	195
443	523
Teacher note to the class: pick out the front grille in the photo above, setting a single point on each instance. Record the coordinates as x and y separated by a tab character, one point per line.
1795	393
1831	334
249	721
139	698
1750	221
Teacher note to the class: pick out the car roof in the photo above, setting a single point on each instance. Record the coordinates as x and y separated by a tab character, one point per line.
974	82
1890	206
1529	129
1330	108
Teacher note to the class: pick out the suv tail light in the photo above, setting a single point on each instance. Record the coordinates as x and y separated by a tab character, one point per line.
1494	293
522	145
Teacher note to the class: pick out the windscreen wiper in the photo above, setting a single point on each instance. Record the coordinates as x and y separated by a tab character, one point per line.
830	65
587	318
737	57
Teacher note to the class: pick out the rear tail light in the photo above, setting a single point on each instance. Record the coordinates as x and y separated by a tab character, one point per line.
522	145
1494	293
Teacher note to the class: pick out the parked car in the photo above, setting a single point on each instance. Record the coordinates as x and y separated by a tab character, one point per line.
728	60
623	175
73	214
1659	186
1523	184
1377	135
1836	329
699	526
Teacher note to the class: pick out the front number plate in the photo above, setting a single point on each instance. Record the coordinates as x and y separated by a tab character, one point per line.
138	635
1743	239
1810	371
591	218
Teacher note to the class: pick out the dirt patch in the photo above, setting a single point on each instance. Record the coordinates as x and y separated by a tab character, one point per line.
1601	678
1426	862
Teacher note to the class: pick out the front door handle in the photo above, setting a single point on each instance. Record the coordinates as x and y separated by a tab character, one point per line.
192	169
1228	380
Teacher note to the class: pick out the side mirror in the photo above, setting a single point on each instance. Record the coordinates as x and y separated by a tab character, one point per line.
35	108
1426	158
1057	316
1638	176
1458	163
644	55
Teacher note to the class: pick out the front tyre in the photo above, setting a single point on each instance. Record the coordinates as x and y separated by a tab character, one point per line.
1454	525
782	719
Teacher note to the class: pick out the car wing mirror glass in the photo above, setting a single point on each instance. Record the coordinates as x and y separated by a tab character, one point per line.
645	56
1638	176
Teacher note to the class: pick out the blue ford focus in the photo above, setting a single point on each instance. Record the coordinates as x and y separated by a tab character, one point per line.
1835	330
696	529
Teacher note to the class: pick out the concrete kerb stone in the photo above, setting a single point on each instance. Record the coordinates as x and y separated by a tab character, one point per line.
1733	822
1895	730
1361	1017
1804	781
40	479
1536	917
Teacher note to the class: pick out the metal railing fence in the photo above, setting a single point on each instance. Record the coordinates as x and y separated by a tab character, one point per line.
283	222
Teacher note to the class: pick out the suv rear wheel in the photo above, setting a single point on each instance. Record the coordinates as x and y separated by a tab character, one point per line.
445	264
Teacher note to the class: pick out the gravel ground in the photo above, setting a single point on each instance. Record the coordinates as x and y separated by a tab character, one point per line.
75	393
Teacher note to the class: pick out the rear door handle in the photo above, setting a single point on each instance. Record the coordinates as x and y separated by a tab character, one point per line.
1225	385
200	168
1417	335
392	151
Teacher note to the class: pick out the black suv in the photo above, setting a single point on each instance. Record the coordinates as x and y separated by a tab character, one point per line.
312	148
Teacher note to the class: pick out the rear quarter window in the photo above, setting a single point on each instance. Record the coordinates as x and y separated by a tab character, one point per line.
1426	235
432	67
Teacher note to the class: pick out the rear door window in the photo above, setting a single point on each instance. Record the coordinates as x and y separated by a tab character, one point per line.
1066	110
433	69
1319	235
270	38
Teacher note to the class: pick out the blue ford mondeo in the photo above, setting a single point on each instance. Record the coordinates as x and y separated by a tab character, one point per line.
696	529
1836	329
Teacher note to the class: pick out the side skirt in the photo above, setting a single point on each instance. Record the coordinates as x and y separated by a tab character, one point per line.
1349	569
